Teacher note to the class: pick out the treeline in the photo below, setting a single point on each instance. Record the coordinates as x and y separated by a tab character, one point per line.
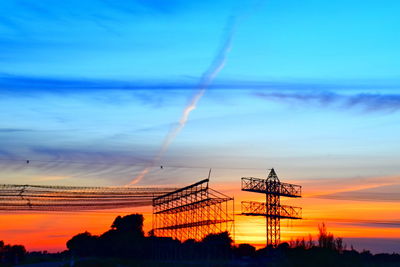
11	254
125	244
325	251
126	240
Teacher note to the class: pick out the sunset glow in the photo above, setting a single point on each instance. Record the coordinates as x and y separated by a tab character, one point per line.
344	218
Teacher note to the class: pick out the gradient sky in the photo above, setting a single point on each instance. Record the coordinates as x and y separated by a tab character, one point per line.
89	90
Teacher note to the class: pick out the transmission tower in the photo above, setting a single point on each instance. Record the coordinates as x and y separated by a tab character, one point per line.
272	208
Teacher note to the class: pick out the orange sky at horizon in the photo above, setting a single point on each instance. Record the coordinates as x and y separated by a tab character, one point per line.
344	218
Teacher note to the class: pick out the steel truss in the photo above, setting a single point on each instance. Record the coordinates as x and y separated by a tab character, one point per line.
74	198
192	212
272	208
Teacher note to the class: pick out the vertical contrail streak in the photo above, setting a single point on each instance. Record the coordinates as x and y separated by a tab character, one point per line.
207	78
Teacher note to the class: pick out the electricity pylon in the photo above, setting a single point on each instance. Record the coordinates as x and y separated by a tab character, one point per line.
272	208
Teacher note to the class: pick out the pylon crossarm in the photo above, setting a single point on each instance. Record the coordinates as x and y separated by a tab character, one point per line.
253	208
290	190
290	212
254	184
274	187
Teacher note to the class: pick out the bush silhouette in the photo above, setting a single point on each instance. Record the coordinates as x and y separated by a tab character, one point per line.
125	240
12	254
130	224
245	250
83	244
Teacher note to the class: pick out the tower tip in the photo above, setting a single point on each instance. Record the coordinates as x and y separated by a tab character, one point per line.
272	175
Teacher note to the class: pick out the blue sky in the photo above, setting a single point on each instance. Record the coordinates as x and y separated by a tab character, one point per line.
177	40
104	81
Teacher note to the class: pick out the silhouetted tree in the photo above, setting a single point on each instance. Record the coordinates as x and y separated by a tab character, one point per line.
83	244
223	239
245	250
283	246
126	237
12	254
18	253
132	224
325	239
310	242
217	245
1	251
328	241
298	243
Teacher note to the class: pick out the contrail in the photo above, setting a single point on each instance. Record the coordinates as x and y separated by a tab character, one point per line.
207	78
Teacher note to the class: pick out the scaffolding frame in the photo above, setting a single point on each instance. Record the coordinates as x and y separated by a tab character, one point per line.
272	208
192	212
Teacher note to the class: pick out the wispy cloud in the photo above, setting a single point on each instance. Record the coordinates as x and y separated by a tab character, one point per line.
365	102
364	97
52	84
364	196
321	92
60	164
357	189
365	223
100	91
328	186
14	130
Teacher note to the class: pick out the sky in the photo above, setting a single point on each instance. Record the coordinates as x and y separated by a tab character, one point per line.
89	90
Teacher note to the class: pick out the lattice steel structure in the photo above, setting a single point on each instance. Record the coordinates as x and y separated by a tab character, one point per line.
192	212
272	208
75	198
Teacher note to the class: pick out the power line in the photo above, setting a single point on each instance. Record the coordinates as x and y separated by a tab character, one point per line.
75	198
